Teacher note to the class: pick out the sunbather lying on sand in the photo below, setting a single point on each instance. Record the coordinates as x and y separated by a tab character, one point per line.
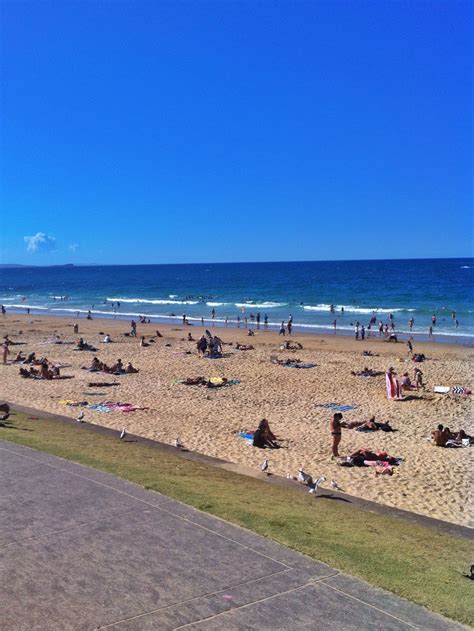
194	381
366	372
244	347
284	362
373	426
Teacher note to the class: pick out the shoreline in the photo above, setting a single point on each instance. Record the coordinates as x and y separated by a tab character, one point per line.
194	321
431	481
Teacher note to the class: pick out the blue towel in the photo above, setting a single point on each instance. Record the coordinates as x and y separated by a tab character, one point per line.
336	407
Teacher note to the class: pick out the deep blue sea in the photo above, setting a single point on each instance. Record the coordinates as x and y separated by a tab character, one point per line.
405	288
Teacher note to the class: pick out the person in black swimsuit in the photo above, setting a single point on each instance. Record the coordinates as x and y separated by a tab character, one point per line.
336	433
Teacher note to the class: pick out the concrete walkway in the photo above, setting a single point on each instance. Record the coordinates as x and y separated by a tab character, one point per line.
82	549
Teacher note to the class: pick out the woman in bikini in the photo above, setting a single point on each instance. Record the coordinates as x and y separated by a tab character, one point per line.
336	433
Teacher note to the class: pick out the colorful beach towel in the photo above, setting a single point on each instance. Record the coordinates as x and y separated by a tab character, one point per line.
393	387
103	406
336	407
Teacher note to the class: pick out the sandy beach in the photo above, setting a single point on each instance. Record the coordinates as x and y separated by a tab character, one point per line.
432	481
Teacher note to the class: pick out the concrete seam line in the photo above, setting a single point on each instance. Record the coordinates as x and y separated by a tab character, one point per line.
363	602
57	532
254	602
194	598
190	521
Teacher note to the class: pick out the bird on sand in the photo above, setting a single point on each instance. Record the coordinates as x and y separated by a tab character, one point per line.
264	465
123	433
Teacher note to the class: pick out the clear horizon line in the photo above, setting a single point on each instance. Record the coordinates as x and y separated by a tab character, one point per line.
442	258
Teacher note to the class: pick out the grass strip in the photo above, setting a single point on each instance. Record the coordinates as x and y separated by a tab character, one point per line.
410	560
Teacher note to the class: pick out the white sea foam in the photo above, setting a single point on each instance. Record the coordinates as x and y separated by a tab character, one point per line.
216	304
25	306
145	301
260	305
351	309
465	267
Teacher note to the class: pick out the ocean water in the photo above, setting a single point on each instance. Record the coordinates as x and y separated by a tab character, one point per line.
405	288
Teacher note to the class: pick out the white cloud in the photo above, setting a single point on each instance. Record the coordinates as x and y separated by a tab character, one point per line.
40	242
73	247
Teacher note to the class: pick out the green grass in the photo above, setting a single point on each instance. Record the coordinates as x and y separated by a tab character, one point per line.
410	560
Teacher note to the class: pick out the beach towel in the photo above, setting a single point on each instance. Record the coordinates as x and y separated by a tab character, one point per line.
393	387
441	389
299	365
336	407
454	390
248	435
110	406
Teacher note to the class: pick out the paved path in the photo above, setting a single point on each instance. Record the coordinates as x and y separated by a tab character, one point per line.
82	549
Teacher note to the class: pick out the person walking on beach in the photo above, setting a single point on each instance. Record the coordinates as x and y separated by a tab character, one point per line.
356	331
258	319
282	329
213	313
3	310
133	325
411	322
265	321
334	323
380	328
362	332
336	433
289	326
430	332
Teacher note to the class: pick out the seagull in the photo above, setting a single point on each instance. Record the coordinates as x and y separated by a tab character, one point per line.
304	477
4	417
123	433
80	418
318	482
264	465
178	444
335	485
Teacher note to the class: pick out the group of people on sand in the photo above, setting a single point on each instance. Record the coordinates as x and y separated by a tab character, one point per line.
116	369
210	345
444	437
44	370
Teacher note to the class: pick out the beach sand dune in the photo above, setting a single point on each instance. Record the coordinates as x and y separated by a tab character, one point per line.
431	481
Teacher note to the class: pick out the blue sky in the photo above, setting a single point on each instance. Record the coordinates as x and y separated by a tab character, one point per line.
150	132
